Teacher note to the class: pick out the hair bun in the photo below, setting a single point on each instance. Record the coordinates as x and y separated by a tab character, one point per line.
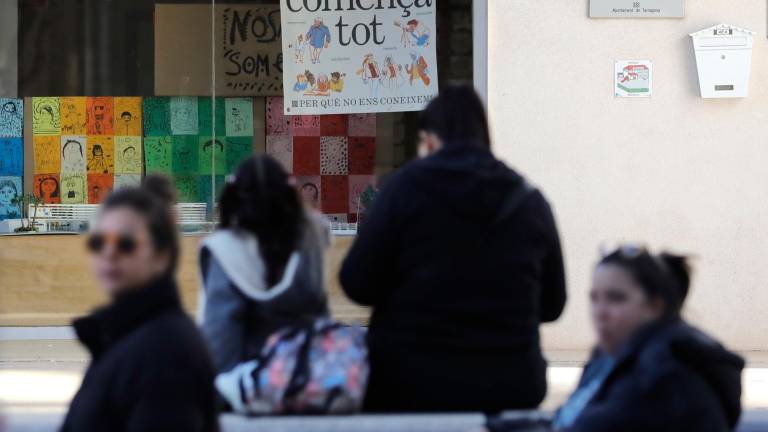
160	187
681	271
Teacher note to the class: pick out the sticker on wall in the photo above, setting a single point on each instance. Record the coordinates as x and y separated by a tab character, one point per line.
633	78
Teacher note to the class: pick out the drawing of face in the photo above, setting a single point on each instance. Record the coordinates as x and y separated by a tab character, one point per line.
411	25
49	187
72	150
73	185
301	79
126	117
7	193
310	194
97	151
129	153
335	77
98	111
318	22
184	115
9	107
47	113
235	112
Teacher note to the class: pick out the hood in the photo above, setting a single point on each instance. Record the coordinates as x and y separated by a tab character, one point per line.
720	368
466	179
238	254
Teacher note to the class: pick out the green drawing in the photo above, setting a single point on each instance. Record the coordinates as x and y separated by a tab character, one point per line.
204	108
157	154
236	149
239	116
185	154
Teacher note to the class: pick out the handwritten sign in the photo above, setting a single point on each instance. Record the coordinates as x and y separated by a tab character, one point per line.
246	45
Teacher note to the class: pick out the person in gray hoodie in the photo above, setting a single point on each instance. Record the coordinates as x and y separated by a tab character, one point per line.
263	269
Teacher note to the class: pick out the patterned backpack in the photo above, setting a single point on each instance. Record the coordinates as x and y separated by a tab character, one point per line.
321	368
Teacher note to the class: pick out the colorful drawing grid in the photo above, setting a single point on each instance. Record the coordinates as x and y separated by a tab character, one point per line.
11	156
332	157
84	147
195	143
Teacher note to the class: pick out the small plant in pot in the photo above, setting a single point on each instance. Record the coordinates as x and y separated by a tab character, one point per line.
23	202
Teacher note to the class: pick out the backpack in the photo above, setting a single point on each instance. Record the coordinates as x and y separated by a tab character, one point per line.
319	368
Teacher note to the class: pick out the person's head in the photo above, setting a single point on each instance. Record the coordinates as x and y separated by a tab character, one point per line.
301	38
310	195
134	241
455	117
126	116
49	187
260	199
318	22
301	78
8	191
631	288
9	107
129	152
97	150
412	24
335	76
72	149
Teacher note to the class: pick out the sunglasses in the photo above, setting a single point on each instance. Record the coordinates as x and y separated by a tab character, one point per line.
124	244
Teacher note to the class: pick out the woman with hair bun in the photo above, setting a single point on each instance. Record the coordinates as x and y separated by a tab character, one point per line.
263	269
650	371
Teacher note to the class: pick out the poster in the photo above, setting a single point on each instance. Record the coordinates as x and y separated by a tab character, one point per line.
246	46
346	59
633	78
10	189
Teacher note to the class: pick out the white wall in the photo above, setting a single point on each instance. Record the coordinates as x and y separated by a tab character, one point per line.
674	170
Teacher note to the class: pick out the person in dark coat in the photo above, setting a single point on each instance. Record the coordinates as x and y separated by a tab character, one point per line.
461	261
651	371
150	368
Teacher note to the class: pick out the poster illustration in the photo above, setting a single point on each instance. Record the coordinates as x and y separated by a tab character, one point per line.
46	116
73	189
342	59
100	112
10	188
11	117
128	155
101	154
127	116
73	151
633	78
46	187
11	156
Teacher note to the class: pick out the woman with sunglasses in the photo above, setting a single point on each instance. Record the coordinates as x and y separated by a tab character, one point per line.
150	369
650	370
263	269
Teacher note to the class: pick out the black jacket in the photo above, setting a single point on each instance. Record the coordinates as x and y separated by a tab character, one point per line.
458	293
150	369
670	378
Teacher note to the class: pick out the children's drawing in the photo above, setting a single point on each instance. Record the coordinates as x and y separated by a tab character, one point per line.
362	125
10	188
305	125
73	189
333	125
187	188
319	38
100	115
73	116
415	33
212	158
309	190
11	117
280	147
11	157
127	116
157	155
239	116
73	154
46	119
185	155
47	153
205	120
157	116
333	156
128	155
126	180
101	154
277	122
306	155
418	69
184	112
334	194
235	150
362	155
204	188
358	185
46	187
99	186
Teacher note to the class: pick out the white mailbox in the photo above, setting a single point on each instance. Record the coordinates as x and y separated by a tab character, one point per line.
723	58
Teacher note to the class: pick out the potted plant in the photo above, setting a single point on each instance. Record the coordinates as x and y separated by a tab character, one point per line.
23	202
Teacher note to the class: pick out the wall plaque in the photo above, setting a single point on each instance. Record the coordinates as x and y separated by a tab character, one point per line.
636	8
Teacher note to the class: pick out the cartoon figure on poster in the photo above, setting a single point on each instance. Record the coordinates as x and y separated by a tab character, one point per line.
48	189
319	38
392	77
10	188
415	33
72	155
371	74
11	114
97	162
418	69
299	47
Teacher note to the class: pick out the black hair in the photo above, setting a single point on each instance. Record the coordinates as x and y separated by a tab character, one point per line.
261	200
313	186
126	113
95	147
457	116
11	104
130	147
68	142
55	193
152	200
210	143
664	276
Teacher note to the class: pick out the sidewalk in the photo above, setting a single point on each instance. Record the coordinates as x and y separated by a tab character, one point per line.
39	377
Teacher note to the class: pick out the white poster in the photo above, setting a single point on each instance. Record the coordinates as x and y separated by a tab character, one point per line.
358	56
633	78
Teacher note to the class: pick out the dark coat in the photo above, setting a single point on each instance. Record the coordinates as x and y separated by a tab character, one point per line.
670	378
150	369
457	292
